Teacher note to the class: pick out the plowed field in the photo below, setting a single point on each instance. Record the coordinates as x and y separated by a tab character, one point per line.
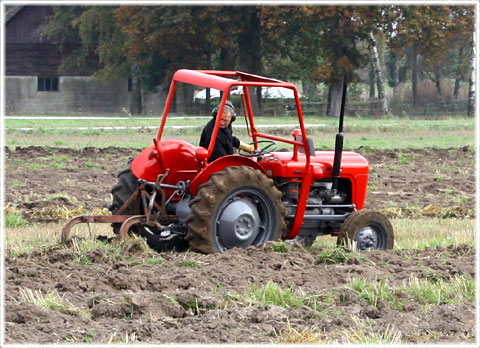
140	297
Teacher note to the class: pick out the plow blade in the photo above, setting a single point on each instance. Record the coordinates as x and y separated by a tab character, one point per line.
127	221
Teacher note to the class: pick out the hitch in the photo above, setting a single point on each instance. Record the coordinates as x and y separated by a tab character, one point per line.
154	213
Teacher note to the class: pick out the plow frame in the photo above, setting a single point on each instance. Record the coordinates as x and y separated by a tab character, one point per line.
140	195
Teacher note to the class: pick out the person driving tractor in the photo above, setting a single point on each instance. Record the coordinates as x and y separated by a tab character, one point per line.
226	141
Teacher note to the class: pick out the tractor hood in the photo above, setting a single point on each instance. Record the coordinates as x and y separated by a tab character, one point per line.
282	165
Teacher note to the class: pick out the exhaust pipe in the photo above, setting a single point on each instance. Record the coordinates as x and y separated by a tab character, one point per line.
339	141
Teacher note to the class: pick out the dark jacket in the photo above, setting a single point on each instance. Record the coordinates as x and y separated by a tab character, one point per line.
225	140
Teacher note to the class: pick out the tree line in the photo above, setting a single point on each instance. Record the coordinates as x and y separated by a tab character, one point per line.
312	44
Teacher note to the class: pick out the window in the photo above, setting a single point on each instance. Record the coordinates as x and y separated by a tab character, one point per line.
47	84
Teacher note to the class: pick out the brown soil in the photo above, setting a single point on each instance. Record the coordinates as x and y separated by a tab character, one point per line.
411	181
169	300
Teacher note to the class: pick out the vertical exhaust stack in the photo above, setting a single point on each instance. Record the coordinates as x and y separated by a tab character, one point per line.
339	141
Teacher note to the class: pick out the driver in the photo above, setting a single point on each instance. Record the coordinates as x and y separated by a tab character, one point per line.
225	139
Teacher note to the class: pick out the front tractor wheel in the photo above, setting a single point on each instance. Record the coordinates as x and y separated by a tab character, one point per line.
236	207
366	230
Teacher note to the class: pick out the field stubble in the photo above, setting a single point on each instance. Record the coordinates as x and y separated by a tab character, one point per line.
420	292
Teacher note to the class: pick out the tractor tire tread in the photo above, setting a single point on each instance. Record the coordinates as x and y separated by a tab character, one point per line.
211	193
127	184
360	218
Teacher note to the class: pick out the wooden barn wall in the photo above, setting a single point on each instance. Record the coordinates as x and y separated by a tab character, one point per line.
26	26
28	54
39	60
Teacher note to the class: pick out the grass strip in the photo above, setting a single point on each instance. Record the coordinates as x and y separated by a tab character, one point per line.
426	292
51	300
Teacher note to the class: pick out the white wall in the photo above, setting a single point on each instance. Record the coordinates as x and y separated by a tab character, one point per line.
76	96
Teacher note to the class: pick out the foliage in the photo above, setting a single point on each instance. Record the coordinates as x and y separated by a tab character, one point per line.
309	43
319	42
429	28
432	33
94	30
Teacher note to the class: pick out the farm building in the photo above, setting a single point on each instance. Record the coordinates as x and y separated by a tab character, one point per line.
34	83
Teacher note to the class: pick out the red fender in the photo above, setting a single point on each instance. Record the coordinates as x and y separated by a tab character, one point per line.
146	165
220	164
177	156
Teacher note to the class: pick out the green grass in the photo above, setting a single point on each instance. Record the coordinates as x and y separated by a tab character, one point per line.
111	252
441	123
425	292
43	162
337	254
281	247
274	294
383	133
36	237
269	294
365	334
15	220
60	195
404	158
362	334
15	185
191	264
23	238
432	232
92	165
455	290
372	292
51	300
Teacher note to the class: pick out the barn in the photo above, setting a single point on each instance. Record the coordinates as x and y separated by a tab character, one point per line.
34	83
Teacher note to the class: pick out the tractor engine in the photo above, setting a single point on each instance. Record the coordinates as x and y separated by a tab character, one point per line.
325	211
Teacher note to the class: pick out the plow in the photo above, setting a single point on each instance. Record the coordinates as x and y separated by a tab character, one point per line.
154	214
177	196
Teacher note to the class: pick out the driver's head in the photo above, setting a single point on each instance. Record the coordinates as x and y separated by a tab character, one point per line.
226	117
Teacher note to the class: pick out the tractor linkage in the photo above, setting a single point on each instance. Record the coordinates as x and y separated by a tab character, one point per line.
140	195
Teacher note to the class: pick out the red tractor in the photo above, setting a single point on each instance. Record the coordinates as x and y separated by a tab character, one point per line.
171	195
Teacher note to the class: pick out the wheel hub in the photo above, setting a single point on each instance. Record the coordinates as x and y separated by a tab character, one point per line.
238	224
367	238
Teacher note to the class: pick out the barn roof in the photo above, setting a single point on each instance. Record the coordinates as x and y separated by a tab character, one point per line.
11	11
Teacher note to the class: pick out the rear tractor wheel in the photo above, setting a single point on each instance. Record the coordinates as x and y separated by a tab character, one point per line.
236	207
366	230
121	192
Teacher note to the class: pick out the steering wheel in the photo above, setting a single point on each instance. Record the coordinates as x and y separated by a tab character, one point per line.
269	147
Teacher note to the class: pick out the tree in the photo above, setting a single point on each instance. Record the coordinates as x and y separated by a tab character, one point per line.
309	43
427	32
378	72
102	46
62	28
321	42
463	17
195	37
471	81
